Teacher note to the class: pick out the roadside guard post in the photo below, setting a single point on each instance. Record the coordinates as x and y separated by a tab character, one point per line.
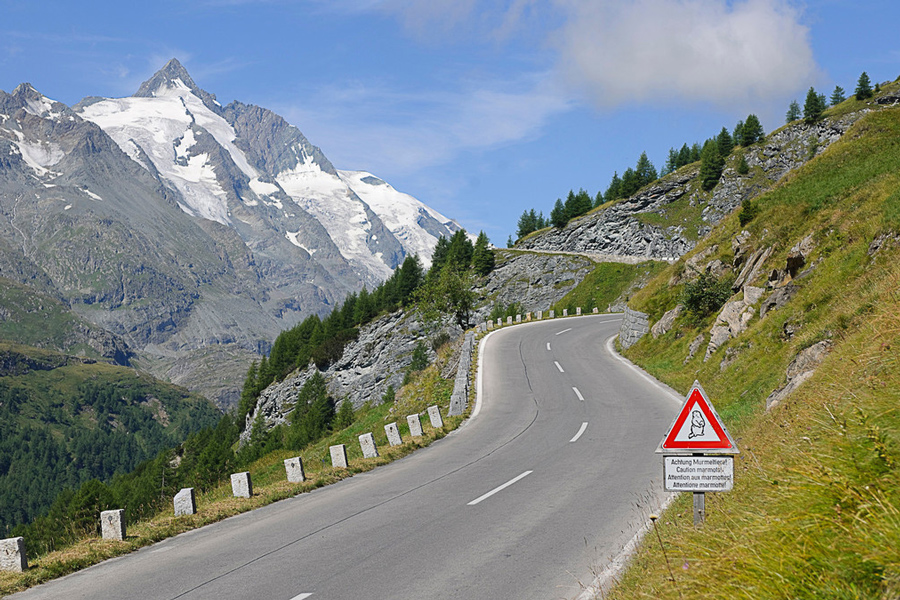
698	452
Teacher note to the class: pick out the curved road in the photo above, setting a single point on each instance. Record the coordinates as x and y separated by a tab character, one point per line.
528	500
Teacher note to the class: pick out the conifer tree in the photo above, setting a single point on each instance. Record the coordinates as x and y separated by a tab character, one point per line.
439	256
838	95
752	131
671	162
558	217
613	192
813	107
249	394
711	165
863	87
577	204
645	171
527	223
630	182
459	253
685	156
409	276
483	256
738	134
344	416
724	142
695	151
793	112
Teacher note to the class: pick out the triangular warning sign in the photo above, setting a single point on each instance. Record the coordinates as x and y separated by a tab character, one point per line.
697	428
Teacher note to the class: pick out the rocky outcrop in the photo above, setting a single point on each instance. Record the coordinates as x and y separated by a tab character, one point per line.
624	230
801	368
733	319
617	231
534	280
378	358
665	322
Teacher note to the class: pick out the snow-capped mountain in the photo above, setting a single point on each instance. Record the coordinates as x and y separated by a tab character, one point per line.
162	128
190	229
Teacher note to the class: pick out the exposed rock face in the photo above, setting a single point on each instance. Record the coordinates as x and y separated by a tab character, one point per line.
377	359
695	345
536	281
665	323
801	368
616	232
733	319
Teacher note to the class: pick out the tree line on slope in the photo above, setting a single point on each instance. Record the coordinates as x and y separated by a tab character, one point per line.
83	426
816	103
745	133
210	455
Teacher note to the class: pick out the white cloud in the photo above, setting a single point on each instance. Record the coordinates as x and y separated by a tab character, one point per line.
695	50
390	132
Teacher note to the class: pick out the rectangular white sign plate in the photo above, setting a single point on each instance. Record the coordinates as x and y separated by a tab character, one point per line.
698	473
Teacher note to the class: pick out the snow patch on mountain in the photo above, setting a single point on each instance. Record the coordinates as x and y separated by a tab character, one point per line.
38	155
337	208
163	127
416	226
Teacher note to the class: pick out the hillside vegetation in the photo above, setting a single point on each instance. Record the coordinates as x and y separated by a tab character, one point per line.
815	511
65	421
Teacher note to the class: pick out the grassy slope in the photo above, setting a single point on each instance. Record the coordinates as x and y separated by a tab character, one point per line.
815	512
607	284
30	317
268	476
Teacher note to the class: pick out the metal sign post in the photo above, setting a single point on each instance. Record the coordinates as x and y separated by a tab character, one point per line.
698	452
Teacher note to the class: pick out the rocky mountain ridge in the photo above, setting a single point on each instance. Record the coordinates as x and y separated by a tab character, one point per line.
178	224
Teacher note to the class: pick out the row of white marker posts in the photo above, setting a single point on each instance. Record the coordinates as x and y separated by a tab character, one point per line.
538	316
367	440
112	522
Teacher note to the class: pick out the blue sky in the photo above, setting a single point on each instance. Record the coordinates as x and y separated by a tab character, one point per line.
480	109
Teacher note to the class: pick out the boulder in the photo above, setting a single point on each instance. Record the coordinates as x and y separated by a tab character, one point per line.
733	319
801	368
665	323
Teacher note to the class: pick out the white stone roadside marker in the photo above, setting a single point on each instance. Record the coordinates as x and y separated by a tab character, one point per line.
241	486
185	503
294	468
367	444
434	414
338	456
112	524
415	425
393	434
12	555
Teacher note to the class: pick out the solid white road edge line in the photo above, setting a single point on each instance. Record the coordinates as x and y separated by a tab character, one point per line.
577	393
608	576
558	366
580	432
669	391
500	488
563	331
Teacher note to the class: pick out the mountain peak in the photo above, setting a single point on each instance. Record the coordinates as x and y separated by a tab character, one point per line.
174	77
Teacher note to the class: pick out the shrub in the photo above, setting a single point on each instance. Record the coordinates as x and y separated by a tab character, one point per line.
749	210
705	295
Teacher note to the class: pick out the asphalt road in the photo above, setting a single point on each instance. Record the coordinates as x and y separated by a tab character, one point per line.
528	500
